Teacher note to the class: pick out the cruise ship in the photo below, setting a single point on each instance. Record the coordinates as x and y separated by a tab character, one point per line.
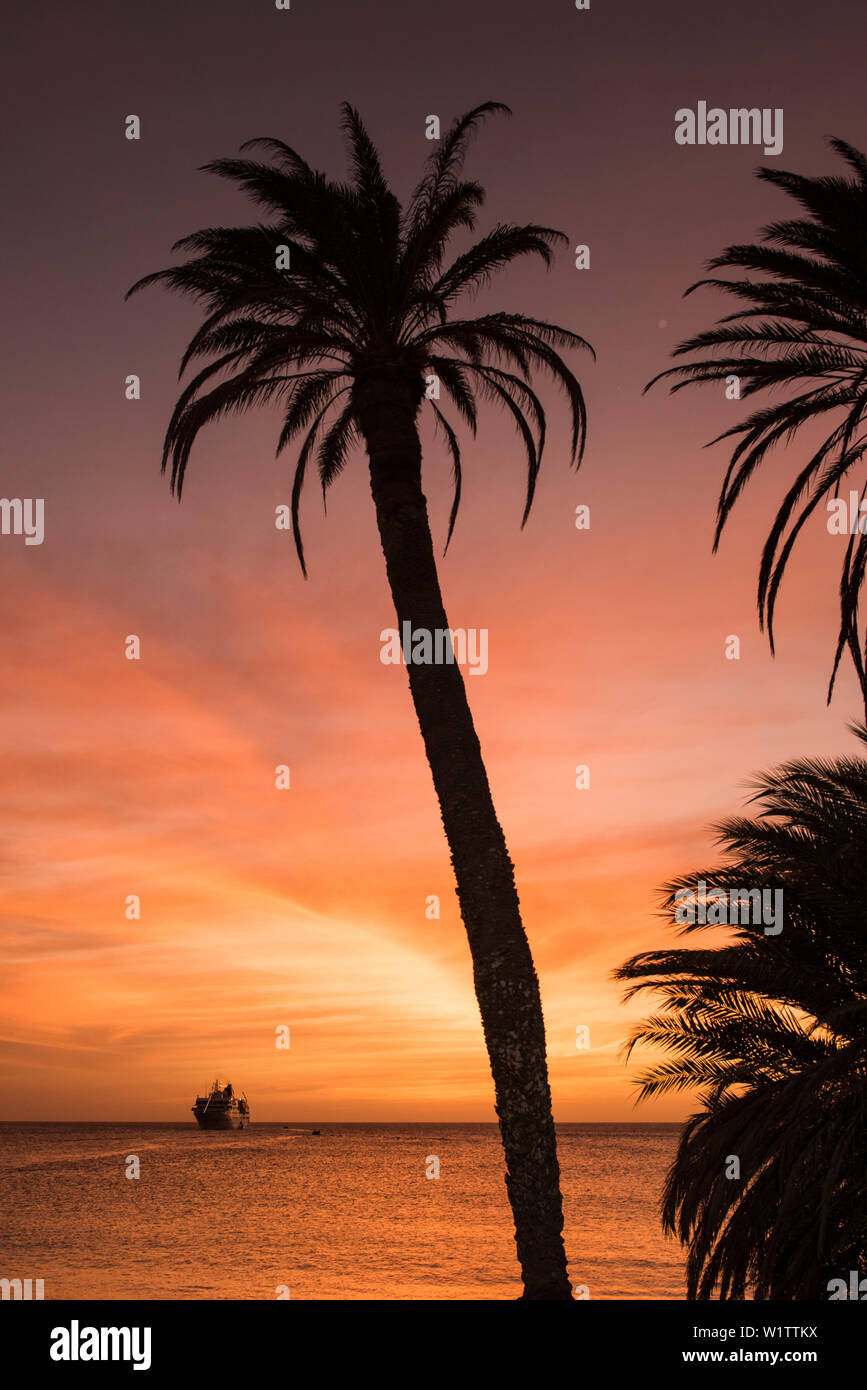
221	1108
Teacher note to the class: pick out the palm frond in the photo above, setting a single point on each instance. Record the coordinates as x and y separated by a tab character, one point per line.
772	1034
804	325
362	295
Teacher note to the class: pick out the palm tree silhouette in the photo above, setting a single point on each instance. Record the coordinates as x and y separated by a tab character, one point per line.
772	1029
804	326
345	340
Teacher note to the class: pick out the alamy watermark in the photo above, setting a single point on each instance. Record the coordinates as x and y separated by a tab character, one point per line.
855	1290
22	1289
443	646
739	125
23	516
734	906
847	519
76	1343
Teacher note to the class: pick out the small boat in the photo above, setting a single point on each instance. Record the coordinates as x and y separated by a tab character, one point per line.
222	1109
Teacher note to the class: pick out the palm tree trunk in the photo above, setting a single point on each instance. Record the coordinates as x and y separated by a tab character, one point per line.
505	979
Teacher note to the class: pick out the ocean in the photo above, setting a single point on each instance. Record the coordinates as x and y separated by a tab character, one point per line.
276	1211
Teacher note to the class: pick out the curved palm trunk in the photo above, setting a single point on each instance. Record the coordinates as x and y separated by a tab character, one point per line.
505	979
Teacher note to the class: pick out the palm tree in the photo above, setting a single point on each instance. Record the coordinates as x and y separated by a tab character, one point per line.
772	1029
804	326
346	340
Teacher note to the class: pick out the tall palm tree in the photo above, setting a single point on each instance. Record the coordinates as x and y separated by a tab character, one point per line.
771	1027
345	340
804	326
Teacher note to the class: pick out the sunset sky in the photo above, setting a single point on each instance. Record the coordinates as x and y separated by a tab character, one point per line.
155	777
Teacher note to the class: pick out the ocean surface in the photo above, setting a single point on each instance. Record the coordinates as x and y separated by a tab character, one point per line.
348	1214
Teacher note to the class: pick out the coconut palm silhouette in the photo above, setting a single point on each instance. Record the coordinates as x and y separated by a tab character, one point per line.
805	326
772	1031
340	309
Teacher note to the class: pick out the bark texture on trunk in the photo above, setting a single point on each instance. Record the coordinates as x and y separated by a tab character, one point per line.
505	978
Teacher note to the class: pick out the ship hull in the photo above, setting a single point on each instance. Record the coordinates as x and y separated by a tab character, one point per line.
222	1121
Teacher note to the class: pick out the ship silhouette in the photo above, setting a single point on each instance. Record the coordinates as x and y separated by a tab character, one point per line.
222	1109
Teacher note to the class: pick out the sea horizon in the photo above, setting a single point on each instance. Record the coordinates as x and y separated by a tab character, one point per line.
405	1124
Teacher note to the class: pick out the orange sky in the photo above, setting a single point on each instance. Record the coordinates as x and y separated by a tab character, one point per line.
307	907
